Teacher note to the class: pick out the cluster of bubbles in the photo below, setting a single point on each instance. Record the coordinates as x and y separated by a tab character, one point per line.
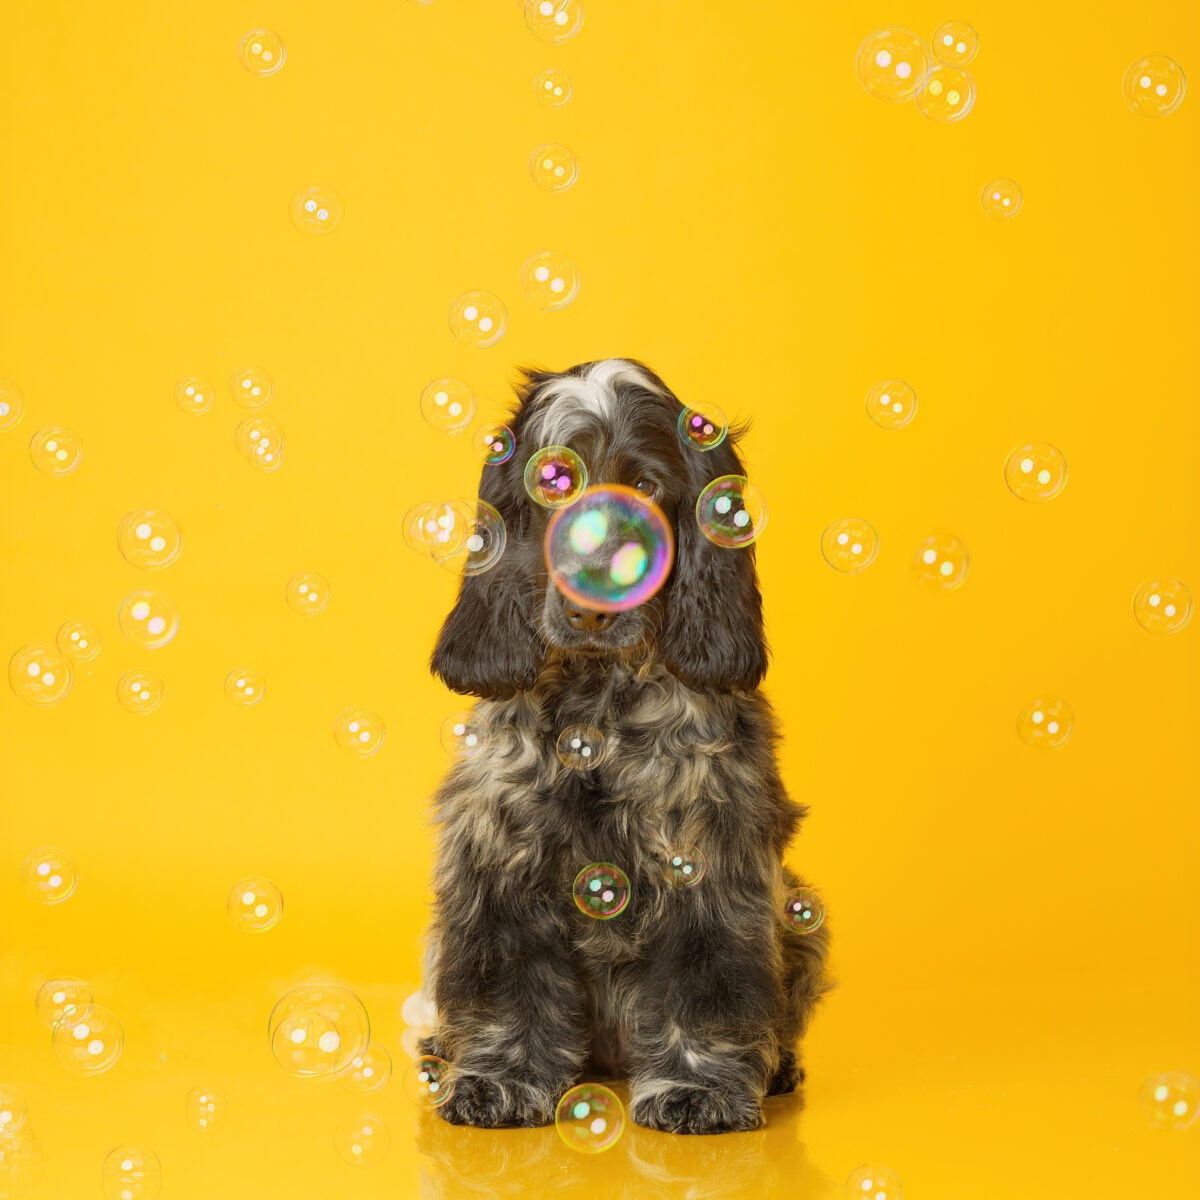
317	1030
254	905
896	65
86	1039
259	440
873	1181
466	537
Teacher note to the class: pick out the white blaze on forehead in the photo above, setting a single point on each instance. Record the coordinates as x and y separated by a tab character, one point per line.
567	402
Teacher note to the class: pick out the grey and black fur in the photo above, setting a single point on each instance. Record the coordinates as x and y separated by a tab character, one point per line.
698	994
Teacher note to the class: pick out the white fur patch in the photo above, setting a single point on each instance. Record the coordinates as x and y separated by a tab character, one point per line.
568	400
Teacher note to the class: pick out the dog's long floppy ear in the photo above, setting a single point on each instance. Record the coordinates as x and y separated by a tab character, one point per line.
489	645
712	636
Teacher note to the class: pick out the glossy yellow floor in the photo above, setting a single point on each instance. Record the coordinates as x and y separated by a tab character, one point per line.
1015	930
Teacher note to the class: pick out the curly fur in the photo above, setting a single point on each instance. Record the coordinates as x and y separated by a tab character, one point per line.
698	994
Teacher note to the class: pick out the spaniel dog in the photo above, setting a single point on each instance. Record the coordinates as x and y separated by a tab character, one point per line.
698	994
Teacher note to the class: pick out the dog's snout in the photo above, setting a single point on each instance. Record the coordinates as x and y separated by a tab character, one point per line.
586	620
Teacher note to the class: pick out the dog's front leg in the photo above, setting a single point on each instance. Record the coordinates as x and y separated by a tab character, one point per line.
509	1009
706	1003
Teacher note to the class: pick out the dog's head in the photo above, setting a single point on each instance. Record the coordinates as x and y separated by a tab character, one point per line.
705	624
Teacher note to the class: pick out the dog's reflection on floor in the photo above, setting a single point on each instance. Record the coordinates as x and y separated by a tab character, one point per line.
464	1163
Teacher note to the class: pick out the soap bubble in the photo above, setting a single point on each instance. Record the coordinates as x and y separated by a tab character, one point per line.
251	387
893	64
12	405
601	891
803	910
148	619
13	1110
1163	606
244	687
139	692
478	319
554	21
429	1081
553	87
260	442
262	52
1171	1100
55	450
1035	471
1154	86
63	1002
891	404
495	444
150	538
50	875
205	1108
1046	723
589	1118
436	525
319	1030
194	395
482	542
955	42
580	747
369	1072
362	1141
316	211
1001	199
131	1173
418	1011
554	168
610	551
732	512
254	905
308	593
38	674
20	1162
555	476
684	866
465	734
79	640
91	1045
359	731
850	544
550	280
873	1182
703	429
448	405
942	563
948	96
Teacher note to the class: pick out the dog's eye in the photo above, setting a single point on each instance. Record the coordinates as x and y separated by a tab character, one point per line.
648	488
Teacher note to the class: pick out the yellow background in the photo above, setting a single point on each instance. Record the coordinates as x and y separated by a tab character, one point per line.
1015	931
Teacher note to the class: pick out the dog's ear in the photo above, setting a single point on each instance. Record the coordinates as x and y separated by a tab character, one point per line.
712	636
489	645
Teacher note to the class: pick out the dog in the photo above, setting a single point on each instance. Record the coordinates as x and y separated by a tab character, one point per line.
697	995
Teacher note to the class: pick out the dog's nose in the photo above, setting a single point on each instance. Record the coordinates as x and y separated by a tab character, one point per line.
585	619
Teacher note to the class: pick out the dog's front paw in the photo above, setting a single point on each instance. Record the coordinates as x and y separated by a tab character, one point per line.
687	1108
789	1075
490	1102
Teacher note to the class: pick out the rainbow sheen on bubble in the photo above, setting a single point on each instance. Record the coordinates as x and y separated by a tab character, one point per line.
553	87
955	42
316	211
429	1081
150	538
684	865
1035	471
550	280
448	404
1154	86
1163	606
39	674
893	64
942	563
194	395
482	541
555	476
359	732
254	905
554	168
601	890
803	910
554	21
1046	723
580	747
55	450
611	550
703	429
850	544
948	96
1171	1100
251	387
363	1140
891	404
318	1029
50	875
478	319
589	1118
148	619
495	444
90	1046
465	734
139	692
1001	199
732	512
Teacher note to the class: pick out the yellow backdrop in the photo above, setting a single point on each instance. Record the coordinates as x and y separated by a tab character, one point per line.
1015	929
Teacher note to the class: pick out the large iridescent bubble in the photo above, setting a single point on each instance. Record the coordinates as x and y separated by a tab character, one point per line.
611	550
